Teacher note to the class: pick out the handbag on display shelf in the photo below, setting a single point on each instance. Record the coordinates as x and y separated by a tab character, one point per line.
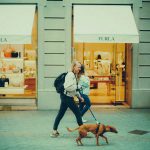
4	82
16	70
16	83
8	51
14	54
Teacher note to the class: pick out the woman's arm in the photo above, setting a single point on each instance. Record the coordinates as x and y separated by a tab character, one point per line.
70	82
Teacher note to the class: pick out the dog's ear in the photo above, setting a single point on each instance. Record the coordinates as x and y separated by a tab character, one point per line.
107	127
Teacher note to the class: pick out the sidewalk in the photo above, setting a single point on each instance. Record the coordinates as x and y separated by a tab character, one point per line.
30	130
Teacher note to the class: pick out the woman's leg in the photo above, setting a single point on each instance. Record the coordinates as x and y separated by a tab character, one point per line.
87	104
61	112
81	105
72	105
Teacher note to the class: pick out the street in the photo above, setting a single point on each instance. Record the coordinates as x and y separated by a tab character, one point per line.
22	130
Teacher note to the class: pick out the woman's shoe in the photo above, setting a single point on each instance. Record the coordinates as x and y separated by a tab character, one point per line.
54	134
83	120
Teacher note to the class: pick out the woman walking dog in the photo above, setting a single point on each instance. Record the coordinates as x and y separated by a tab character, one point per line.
67	98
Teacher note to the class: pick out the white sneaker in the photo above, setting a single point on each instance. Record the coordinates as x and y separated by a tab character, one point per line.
83	120
54	134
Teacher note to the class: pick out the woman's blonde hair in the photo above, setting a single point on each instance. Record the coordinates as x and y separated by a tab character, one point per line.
74	63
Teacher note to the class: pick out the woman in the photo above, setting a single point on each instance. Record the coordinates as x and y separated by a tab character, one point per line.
84	84
67	98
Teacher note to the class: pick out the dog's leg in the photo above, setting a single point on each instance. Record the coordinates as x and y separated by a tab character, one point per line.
82	134
78	140
105	138
97	139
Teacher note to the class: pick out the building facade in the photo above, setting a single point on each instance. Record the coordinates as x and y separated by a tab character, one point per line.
54	55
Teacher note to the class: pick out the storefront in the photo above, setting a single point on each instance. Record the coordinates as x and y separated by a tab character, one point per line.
136	55
101	37
55	46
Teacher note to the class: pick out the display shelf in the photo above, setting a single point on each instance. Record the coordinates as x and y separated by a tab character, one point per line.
11	65
12	90
11	74
21	59
30	61
14	81
29	77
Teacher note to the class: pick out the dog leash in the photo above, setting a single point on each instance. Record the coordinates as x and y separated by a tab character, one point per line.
94	116
89	108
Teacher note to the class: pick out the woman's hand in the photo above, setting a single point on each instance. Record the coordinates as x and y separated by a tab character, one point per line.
81	99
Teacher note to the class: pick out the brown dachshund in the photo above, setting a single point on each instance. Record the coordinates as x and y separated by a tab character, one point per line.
96	129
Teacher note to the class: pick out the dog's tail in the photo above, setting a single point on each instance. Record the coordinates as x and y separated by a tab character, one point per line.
71	130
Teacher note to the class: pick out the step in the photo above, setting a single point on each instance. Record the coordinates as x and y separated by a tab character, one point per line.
17	108
18	104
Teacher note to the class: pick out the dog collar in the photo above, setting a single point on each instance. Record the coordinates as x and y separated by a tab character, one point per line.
97	129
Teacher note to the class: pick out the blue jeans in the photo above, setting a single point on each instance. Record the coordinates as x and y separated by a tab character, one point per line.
67	102
84	106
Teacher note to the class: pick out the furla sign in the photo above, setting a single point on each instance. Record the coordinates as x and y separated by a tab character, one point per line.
106	38
3	40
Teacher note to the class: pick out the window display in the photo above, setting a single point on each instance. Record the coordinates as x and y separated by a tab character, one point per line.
104	66
17	70
11	69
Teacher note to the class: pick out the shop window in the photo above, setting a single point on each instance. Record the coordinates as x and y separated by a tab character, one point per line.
105	66
18	69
